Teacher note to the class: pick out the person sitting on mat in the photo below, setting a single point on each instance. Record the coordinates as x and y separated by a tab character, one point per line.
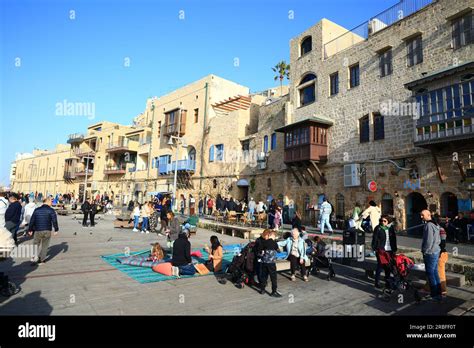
214	263
157	253
181	261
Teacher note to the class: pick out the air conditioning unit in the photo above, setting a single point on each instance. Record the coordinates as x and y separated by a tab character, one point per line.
351	175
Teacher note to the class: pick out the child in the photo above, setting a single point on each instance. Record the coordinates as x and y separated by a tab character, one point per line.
277	219
157	253
268	249
136	217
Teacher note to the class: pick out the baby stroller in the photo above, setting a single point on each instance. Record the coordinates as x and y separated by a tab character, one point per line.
317	253
241	269
399	266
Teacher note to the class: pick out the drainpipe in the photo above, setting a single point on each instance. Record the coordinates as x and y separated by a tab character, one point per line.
150	159
201	172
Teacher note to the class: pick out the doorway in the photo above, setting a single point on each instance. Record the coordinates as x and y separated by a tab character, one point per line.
449	205
414	205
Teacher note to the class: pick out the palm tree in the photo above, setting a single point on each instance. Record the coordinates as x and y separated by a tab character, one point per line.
283	70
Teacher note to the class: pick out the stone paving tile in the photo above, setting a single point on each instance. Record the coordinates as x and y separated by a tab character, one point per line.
100	289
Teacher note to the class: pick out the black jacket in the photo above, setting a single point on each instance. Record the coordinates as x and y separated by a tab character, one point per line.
13	212
379	237
86	207
163	212
44	218
181	251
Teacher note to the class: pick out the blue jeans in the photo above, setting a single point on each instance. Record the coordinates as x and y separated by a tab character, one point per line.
431	269
251	212
145	224
325	221
135	222
187	269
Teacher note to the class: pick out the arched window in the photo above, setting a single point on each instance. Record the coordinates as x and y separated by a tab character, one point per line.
387	204
306	45
265	143
269	183
214	183
339	206
307	89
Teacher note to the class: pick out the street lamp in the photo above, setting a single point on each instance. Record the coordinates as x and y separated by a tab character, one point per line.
171	142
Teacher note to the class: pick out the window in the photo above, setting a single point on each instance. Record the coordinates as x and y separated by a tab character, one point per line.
463	31
246	145
334	83
307	89
265	144
214	183
379	127
364	129
211	153
306	45
354	80
339	206
385	63
159	129
274	141
387	204
414	51
220	152
269	183
196	115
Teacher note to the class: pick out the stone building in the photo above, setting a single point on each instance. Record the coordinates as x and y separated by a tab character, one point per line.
389	103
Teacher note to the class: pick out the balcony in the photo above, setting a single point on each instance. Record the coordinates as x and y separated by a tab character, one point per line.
362	32
75	138
123	146
183	166
116	169
82	172
446	114
306	140
69	175
175	120
84	153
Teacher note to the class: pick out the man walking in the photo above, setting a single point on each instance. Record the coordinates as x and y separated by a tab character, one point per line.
13	215
326	211
431	249
92	212
41	224
252	206
86	207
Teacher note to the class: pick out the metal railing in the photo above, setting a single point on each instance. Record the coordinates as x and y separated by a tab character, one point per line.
75	137
378	22
119	167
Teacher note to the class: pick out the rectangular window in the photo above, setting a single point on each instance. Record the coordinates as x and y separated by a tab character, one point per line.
196	115
414	51
265	144
385	63
334	83
364	129
246	145
354	75
211	153
274	141
220	152
379	127
463	31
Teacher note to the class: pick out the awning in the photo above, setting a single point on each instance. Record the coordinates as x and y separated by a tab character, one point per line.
242	183
316	120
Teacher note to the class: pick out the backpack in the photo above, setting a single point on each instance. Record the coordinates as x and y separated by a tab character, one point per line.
269	256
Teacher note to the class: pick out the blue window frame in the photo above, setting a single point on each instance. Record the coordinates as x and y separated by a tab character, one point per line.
265	143
211	153
274	141
220	152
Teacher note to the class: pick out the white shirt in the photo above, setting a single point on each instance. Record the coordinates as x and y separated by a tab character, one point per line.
326	208
387	246
136	211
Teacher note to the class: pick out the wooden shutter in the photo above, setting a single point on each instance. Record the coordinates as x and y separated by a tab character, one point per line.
182	127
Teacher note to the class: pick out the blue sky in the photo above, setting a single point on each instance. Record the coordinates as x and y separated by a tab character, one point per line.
82	59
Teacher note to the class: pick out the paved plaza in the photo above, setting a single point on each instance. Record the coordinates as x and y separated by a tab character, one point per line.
76	281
